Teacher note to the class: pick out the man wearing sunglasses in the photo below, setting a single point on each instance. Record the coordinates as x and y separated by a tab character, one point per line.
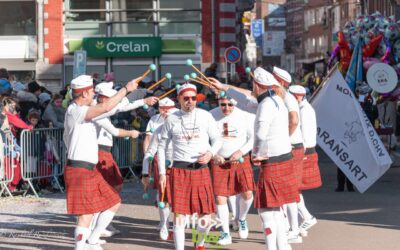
195	140
230	177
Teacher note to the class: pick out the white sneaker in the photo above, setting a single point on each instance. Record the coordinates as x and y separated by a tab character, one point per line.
112	229
224	239
243	229
307	224
235	225
164	233
101	242
106	233
303	233
93	247
294	238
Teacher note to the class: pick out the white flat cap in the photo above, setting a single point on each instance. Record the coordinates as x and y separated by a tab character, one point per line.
186	87
282	74
105	89
264	79
166	102
81	83
297	90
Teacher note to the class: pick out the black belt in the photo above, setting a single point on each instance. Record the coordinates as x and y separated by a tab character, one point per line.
297	145
279	158
310	151
105	148
81	164
188	165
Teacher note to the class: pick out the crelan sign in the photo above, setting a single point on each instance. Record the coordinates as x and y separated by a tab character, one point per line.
123	47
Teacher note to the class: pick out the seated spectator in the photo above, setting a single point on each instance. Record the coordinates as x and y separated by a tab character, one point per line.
29	99
55	112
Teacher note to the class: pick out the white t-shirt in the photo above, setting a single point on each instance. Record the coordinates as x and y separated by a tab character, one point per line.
105	132
80	136
190	134
236	129
271	134
293	106
308	124
155	122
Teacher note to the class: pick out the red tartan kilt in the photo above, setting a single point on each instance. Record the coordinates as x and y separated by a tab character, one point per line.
88	192
311	174
231	179
277	185
192	191
167	194
109	169
298	156
156	175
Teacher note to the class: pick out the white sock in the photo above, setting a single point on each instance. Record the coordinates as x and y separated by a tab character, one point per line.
245	207
81	235
179	237
303	211
293	217
223	215
270	228
281	237
164	216
202	235
238	198
232	205
94	221
102	222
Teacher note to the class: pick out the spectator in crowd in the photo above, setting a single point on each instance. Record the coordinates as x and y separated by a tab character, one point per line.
44	100
29	99
5	86
33	118
55	112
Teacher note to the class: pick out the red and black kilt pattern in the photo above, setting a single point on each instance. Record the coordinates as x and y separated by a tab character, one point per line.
88	192
311	174
277	185
192	191
168	193
156	175
109	169
298	156
231	179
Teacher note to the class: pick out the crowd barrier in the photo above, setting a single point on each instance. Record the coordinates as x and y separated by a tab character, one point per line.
42	156
7	160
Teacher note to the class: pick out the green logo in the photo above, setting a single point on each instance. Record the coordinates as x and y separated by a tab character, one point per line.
100	45
211	238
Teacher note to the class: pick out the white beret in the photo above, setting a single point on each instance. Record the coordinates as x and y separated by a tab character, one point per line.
166	102
103	85
230	99
297	90
81	83
263	78
105	89
282	74
186	87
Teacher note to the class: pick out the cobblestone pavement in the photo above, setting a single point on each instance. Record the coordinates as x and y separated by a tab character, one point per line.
346	221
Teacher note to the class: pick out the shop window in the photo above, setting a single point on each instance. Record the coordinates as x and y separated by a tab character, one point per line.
179	4
18	18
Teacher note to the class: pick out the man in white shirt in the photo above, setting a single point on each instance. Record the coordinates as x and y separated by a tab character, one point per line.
296	139
231	177
311	175
87	192
105	132
190	130
166	106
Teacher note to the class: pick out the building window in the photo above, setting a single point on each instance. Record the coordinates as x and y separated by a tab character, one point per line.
132	17
18	18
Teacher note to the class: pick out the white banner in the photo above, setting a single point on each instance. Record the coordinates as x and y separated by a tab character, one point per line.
347	136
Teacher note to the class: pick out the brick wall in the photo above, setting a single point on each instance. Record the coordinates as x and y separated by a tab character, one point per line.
53	31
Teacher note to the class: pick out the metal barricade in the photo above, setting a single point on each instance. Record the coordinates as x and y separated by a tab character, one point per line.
127	153
7	165
42	156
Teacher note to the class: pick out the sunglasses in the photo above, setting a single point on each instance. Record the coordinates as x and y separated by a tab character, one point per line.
226	104
187	98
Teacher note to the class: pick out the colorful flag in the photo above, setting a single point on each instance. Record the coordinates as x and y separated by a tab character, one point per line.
352	71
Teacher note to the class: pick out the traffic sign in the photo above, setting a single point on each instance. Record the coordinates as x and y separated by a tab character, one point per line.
79	63
232	54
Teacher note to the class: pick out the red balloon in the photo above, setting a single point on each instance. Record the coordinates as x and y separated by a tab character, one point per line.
344	51
369	49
